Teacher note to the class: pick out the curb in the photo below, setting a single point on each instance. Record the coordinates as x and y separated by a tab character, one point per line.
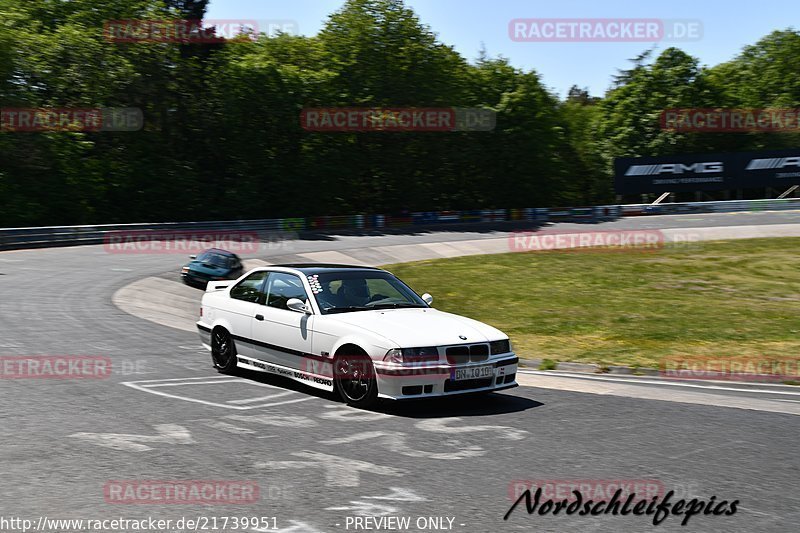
591	368
584	368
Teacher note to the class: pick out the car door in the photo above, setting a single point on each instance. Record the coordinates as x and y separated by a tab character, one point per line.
245	299
283	336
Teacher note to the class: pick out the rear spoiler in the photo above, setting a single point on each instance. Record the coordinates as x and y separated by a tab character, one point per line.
214	286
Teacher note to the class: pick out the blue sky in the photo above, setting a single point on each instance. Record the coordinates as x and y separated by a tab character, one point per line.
469	24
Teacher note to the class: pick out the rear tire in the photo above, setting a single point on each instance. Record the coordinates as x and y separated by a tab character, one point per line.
223	351
354	376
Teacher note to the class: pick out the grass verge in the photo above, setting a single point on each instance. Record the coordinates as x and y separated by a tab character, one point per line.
721	299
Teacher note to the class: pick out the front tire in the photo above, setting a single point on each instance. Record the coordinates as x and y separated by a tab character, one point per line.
355	380
223	351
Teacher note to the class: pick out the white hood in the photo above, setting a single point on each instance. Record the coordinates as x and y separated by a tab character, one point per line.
416	328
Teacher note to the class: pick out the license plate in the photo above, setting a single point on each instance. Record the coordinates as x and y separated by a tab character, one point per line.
473	372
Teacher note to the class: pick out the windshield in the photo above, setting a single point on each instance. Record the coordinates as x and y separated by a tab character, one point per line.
211	258
344	292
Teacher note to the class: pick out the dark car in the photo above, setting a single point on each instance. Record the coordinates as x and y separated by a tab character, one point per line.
212	265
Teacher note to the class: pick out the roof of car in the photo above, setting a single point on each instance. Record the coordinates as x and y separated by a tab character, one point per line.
220	251
319	268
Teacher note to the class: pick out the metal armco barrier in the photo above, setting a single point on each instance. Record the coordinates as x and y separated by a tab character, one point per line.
730	206
15	238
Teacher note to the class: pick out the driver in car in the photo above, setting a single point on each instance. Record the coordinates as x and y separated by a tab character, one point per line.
354	292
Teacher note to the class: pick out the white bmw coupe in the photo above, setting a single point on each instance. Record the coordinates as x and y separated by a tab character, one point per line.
357	330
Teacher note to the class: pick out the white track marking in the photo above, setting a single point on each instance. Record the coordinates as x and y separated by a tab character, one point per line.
228	428
359	508
339	471
399	495
438	425
396	442
276	420
351	414
150	387
362	508
154	385
167	434
261	399
182	379
296	527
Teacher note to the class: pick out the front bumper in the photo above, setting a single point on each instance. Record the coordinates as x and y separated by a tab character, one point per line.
194	280
398	382
200	280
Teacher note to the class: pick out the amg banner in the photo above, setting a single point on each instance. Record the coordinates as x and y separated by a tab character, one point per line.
707	172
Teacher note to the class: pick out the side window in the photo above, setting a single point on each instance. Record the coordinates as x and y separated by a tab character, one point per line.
283	287
249	289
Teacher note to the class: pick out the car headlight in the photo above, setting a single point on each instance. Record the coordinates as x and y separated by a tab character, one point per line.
185	270
412	355
499	347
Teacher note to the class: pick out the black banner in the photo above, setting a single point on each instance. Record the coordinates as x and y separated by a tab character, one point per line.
707	172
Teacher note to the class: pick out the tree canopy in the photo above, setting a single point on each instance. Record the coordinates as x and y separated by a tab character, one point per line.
222	136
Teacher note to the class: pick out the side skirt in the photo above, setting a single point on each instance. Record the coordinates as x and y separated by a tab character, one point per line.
312	380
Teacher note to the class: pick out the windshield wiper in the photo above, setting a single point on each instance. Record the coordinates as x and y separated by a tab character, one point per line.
397	306
347	309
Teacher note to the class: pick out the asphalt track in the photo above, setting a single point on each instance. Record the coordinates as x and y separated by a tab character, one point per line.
165	414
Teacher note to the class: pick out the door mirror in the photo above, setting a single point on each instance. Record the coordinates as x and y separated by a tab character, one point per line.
295	304
427	298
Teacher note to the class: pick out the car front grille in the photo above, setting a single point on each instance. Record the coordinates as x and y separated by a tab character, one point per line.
473	353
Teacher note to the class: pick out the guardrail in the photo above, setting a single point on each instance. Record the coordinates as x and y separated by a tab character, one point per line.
49	236
729	206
